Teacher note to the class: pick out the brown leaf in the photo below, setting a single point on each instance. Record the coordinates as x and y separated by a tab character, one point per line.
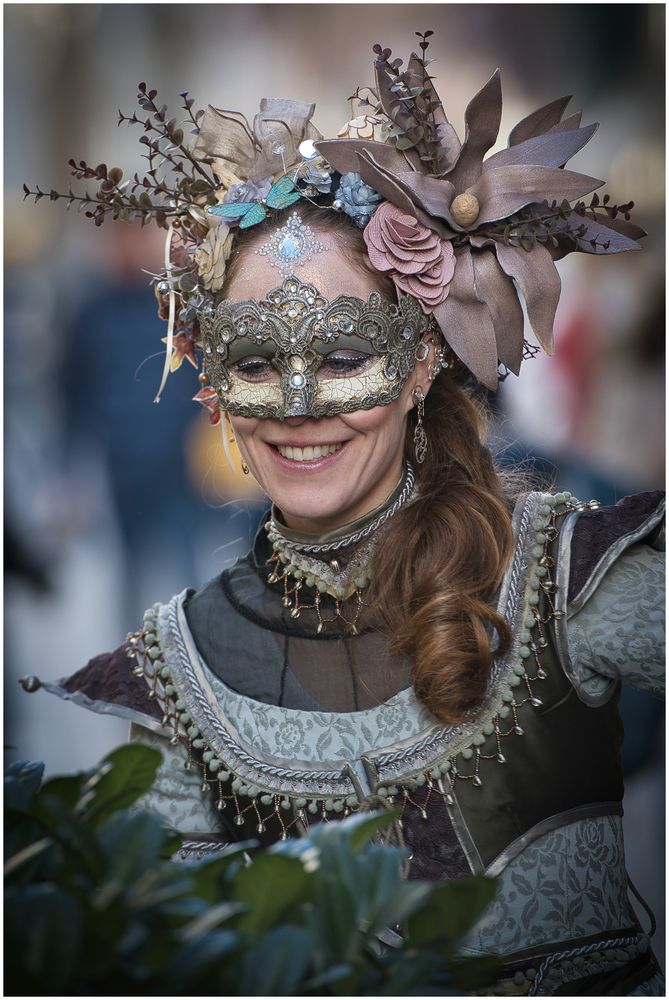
498	292
467	325
504	190
539	121
482	121
536	275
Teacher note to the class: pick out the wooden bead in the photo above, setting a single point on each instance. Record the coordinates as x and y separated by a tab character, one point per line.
465	210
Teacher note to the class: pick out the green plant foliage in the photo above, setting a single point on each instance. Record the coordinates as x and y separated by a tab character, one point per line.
95	905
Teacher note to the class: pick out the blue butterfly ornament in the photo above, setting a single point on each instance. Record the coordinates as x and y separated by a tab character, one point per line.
281	194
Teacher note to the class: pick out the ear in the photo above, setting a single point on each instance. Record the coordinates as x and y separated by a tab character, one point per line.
422	375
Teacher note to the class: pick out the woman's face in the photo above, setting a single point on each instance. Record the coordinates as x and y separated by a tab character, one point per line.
324	472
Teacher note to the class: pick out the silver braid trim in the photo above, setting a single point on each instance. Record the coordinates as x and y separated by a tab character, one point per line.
583	950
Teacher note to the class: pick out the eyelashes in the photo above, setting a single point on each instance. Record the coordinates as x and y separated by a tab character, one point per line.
339	364
255	370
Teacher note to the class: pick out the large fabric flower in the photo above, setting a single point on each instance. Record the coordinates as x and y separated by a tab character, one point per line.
451	189
419	261
244	152
248	191
356	198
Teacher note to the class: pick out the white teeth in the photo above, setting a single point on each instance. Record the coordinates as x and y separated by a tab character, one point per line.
309	453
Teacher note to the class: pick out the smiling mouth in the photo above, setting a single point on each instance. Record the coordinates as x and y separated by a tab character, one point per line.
309	453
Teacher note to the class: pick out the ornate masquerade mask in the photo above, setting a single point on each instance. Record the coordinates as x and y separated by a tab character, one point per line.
295	353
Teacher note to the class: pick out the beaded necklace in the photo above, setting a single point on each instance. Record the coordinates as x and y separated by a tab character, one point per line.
295	565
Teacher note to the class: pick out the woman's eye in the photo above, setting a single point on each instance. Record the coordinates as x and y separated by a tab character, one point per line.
341	364
255	369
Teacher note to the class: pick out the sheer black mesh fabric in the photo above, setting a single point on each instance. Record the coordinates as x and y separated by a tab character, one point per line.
249	639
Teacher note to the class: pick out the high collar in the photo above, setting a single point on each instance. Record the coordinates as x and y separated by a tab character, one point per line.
345	530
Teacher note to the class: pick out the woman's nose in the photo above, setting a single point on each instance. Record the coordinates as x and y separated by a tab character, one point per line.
296	421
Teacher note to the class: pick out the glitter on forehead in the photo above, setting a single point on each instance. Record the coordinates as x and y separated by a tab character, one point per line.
291	246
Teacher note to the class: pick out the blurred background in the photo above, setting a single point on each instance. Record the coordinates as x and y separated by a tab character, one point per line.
113	503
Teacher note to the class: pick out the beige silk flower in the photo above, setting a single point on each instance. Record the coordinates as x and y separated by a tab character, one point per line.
365	127
269	146
212	256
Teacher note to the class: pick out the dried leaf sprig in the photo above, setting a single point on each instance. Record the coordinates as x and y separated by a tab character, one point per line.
152	197
407	100
565	227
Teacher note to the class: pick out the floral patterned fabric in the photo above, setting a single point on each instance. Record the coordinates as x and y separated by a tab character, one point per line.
315	736
176	795
619	633
569	883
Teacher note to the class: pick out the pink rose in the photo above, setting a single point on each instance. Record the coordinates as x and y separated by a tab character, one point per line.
421	263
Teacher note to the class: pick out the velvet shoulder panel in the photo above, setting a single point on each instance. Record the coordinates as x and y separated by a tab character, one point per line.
597	531
109	679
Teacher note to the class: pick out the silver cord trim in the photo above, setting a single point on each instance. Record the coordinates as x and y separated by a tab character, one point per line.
354	537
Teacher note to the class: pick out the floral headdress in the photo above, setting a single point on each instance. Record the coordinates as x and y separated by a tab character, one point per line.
460	232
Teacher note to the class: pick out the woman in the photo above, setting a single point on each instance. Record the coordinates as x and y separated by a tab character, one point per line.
409	629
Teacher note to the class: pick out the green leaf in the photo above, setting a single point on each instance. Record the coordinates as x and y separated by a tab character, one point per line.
355	830
400	899
27	854
277	965
201	959
124	775
79	851
341	895
364	827
206	874
167	887
271	886
43	936
28	772
380	883
132	843
22	781
21	831
414	973
66	788
452	910
210	919
332	975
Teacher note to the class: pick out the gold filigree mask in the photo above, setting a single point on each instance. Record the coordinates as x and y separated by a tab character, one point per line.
296	353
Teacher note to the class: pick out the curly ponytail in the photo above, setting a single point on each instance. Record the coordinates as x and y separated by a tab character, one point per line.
456	542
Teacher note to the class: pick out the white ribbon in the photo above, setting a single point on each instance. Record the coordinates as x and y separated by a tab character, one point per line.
171	317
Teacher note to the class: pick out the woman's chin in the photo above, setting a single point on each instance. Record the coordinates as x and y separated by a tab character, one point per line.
313	515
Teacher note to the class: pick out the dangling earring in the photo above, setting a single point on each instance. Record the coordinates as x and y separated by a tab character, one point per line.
438	364
233	440
419	435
